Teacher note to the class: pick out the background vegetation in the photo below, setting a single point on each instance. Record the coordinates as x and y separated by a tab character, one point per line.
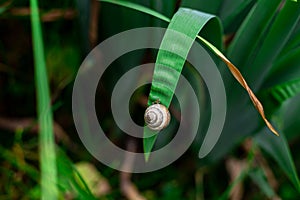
41	155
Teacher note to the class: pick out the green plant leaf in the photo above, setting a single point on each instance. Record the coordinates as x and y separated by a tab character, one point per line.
45	121
164	82
233	12
293	42
285	69
275	40
278	148
291	119
259	177
285	91
251	32
70	180
163	88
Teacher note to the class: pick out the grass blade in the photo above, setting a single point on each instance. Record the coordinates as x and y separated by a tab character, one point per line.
258	176
70	179
190	23
46	136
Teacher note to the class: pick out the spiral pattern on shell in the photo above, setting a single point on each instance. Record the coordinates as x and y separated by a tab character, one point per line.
157	117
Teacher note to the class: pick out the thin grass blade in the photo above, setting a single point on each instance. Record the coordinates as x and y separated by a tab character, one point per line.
259	177
46	136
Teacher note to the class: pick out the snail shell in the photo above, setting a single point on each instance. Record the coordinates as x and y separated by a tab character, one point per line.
157	117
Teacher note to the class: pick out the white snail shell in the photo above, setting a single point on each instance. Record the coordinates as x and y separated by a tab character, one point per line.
157	117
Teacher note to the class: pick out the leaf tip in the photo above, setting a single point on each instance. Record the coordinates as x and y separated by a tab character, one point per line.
272	128
147	156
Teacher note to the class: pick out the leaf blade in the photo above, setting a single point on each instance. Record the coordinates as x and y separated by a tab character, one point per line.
277	147
171	58
45	119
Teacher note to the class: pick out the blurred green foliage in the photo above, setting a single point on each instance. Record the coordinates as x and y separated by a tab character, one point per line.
261	37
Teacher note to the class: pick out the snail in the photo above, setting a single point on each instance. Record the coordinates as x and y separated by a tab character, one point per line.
157	117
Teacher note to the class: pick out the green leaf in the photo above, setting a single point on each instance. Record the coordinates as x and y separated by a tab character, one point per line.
11	157
70	180
46	136
233	12
166	8
285	91
278	148
251	32
274	42
285	69
254	50
190	23
259	177
293	42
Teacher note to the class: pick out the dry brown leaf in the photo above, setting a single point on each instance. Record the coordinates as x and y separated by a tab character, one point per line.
239	77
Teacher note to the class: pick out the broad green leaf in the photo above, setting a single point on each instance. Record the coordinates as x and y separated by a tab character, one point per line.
167	8
287	68
190	23
278	148
122	20
251	32
45	121
256	30
274	42
291	119
241	48
293	42
285	91
232	13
